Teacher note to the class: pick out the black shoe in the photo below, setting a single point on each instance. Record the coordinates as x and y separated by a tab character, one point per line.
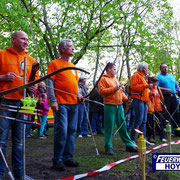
59	166
71	163
177	133
100	133
19	178
22	178
131	149
109	151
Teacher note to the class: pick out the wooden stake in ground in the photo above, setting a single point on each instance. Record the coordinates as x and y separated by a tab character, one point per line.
168	130
142	154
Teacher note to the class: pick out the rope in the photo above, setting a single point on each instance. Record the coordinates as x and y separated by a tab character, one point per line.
75	95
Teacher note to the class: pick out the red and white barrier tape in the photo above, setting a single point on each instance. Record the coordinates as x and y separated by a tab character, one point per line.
111	165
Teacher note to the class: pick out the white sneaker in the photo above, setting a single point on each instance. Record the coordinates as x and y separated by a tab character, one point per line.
88	135
42	137
135	144
80	136
149	143
163	140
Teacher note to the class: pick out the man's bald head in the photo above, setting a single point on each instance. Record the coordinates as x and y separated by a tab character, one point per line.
19	41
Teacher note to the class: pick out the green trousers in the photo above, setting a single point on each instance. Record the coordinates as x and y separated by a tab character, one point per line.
112	114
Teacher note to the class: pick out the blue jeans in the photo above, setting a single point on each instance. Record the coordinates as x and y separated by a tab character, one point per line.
96	122
132	119
28	127
82	127
17	139
43	124
140	112
65	126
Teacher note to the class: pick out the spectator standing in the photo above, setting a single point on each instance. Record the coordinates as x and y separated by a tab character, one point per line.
158	112
155	115
41	89
140	95
83	107
129	111
150	125
168	85
45	108
38	93
11	70
96	111
109	87
65	107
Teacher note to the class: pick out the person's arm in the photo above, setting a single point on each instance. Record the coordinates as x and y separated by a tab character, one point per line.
10	76
166	90
32	88
51	94
79	95
177	88
124	97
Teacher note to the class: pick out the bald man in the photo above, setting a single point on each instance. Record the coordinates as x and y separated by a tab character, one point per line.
11	73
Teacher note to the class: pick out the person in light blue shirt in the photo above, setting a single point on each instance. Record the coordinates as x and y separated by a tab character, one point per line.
167	81
168	85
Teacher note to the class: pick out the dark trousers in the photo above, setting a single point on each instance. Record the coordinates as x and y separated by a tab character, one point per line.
171	104
150	126
160	125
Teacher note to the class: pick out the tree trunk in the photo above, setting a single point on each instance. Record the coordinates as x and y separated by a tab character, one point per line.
97	63
127	65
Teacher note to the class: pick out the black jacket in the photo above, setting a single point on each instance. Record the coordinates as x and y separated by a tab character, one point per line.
95	96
